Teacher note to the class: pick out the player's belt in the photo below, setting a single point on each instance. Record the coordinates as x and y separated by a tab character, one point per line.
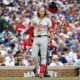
40	36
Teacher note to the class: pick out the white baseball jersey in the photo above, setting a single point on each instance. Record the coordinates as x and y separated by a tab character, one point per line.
41	26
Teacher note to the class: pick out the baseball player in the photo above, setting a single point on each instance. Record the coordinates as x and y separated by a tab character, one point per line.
41	26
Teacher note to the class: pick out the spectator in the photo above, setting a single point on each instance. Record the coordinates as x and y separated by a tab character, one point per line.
15	35
7	31
25	61
2	51
9	59
62	58
72	54
67	57
55	61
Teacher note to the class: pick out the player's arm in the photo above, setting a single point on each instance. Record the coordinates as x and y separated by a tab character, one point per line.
50	28
31	28
31	24
51	32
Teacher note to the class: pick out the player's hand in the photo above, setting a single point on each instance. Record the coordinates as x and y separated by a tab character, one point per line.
51	35
31	24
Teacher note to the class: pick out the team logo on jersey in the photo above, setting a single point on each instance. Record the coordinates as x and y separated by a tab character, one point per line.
39	25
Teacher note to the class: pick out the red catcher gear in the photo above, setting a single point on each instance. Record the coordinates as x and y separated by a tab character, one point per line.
31	32
52	7
42	69
29	41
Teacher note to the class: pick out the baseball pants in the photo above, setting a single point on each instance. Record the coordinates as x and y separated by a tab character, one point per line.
40	43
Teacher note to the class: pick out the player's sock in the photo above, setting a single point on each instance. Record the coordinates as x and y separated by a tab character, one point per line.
42	69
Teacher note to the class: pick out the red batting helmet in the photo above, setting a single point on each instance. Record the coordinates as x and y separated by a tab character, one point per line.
52	7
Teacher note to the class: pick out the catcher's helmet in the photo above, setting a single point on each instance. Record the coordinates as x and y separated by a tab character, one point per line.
52	7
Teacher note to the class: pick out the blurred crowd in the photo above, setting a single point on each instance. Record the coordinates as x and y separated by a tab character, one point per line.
15	46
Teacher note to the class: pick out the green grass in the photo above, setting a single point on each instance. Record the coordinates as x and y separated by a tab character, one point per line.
63	78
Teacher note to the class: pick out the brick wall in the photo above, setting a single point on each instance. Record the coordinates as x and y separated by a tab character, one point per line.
19	71
65	71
